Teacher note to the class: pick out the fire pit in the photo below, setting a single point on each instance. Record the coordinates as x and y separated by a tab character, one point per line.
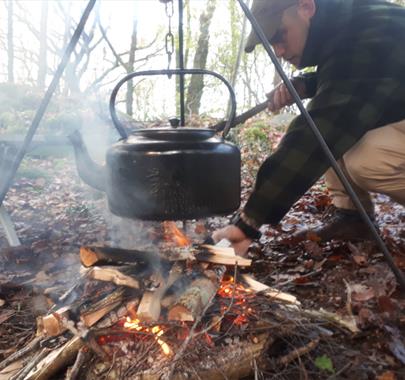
141	315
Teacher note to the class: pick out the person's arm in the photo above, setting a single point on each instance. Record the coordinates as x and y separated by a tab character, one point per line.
343	111
305	85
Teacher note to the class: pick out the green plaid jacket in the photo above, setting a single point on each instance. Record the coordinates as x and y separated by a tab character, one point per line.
358	47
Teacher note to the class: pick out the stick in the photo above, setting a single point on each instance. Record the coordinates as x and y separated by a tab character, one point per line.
33	362
56	360
298	352
257	287
82	357
242	117
23	352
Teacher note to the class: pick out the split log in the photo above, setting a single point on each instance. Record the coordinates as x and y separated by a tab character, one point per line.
90	318
51	325
92	255
129	309
150	307
257	287
196	296
57	360
98	310
220	255
119	276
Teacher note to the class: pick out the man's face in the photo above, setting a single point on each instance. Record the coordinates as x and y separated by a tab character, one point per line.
290	39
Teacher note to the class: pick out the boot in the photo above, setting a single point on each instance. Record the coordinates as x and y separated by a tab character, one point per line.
339	224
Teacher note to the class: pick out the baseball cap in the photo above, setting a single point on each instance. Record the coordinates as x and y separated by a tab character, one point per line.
268	14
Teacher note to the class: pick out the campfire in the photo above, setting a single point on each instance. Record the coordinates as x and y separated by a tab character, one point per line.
140	314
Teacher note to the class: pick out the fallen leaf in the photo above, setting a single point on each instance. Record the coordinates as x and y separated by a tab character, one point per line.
362	293
385	305
388	375
313	248
358	256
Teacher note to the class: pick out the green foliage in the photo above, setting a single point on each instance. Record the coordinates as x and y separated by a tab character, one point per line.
19	103
324	363
30	171
256	134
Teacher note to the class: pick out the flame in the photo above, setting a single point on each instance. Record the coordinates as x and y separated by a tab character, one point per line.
230	289
134	324
173	234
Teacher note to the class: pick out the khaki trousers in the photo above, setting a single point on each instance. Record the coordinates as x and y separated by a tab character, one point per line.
375	164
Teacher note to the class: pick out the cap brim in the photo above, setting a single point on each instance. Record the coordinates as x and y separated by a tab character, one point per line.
269	32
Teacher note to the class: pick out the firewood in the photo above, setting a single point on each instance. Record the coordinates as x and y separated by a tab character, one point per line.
196	296
51	325
115	315
257	286
220	255
89	319
98	310
92	255
114	275
150	306
218	258
56	360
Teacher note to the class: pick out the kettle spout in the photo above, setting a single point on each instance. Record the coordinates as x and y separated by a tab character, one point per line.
90	172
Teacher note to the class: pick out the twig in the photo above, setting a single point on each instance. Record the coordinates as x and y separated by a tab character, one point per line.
23	352
27	369
298	352
81	358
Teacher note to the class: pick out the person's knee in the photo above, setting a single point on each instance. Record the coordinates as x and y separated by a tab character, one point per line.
366	167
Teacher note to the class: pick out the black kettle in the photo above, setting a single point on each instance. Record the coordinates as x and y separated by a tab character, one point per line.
166	173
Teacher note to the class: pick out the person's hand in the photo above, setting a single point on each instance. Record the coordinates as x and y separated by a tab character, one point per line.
280	97
240	242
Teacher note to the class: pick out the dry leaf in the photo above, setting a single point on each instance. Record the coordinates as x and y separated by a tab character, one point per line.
362	293
388	375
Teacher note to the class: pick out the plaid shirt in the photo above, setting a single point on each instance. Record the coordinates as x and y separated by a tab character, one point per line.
358	47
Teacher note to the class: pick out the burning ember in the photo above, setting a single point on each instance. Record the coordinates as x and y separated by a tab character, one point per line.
134	324
240	295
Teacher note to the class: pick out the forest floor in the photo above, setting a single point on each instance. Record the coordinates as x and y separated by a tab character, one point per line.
54	214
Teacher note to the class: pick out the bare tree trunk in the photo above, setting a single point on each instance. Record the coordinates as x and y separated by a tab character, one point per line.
240	47
196	85
10	42
43	46
130	68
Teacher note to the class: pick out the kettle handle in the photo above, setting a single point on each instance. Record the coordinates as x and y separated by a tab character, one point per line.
119	126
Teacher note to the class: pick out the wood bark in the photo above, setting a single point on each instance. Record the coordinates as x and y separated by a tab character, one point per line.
10	41
195	88
92	255
43	46
196	296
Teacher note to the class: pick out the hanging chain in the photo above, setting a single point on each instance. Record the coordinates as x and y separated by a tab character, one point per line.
169	36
